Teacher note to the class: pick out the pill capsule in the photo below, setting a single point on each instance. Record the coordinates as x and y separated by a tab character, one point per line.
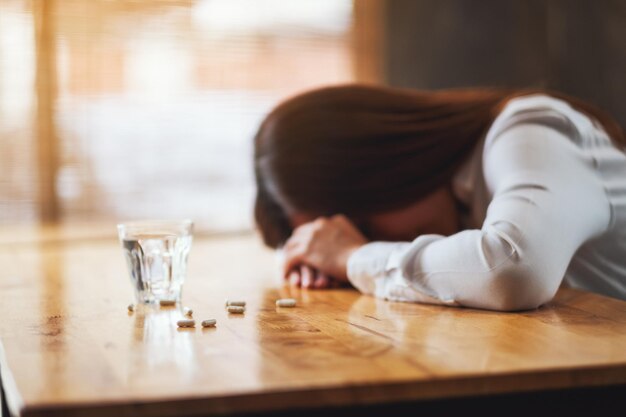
167	302
131	308
186	323
286	302
235	309
209	323
188	312
237	303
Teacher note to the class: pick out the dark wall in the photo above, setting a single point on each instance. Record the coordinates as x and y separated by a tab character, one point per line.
574	46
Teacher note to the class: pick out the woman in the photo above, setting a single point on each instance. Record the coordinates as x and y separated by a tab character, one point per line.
478	198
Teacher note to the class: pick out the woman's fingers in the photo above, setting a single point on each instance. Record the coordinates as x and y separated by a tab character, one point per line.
307	274
308	277
294	278
302	276
293	256
321	280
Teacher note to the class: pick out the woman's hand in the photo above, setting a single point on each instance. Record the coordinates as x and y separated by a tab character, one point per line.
307	277
317	252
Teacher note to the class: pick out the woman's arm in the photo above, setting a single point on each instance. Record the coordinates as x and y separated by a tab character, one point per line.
547	201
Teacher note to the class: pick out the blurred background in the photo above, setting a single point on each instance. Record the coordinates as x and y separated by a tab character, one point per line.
117	110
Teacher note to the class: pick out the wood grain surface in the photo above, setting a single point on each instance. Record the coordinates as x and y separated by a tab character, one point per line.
69	347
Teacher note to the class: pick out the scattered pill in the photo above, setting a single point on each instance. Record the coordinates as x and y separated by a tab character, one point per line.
237	303
188	312
286	302
131	308
209	323
186	323
236	309
167	302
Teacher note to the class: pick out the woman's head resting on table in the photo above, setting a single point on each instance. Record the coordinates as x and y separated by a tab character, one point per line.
382	157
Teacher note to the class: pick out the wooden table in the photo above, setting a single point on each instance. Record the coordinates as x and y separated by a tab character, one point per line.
69	346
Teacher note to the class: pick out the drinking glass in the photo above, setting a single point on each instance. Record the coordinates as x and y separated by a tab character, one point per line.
156	253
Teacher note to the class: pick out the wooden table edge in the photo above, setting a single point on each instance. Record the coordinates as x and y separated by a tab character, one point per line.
347	395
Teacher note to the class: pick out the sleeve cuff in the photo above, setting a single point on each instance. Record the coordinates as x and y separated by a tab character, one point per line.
375	269
371	262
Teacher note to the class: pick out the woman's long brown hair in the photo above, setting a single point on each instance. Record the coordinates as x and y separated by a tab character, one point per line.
359	149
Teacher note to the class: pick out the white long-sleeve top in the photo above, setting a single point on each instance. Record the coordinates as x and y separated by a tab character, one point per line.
546	192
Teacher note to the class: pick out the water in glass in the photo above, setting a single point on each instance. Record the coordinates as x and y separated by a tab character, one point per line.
157	264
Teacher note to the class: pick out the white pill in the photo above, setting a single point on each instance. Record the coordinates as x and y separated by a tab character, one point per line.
209	323
286	302
237	303
167	302
186	323
236	309
188	312
131	308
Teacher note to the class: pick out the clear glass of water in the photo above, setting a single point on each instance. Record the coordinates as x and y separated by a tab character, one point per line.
156	253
